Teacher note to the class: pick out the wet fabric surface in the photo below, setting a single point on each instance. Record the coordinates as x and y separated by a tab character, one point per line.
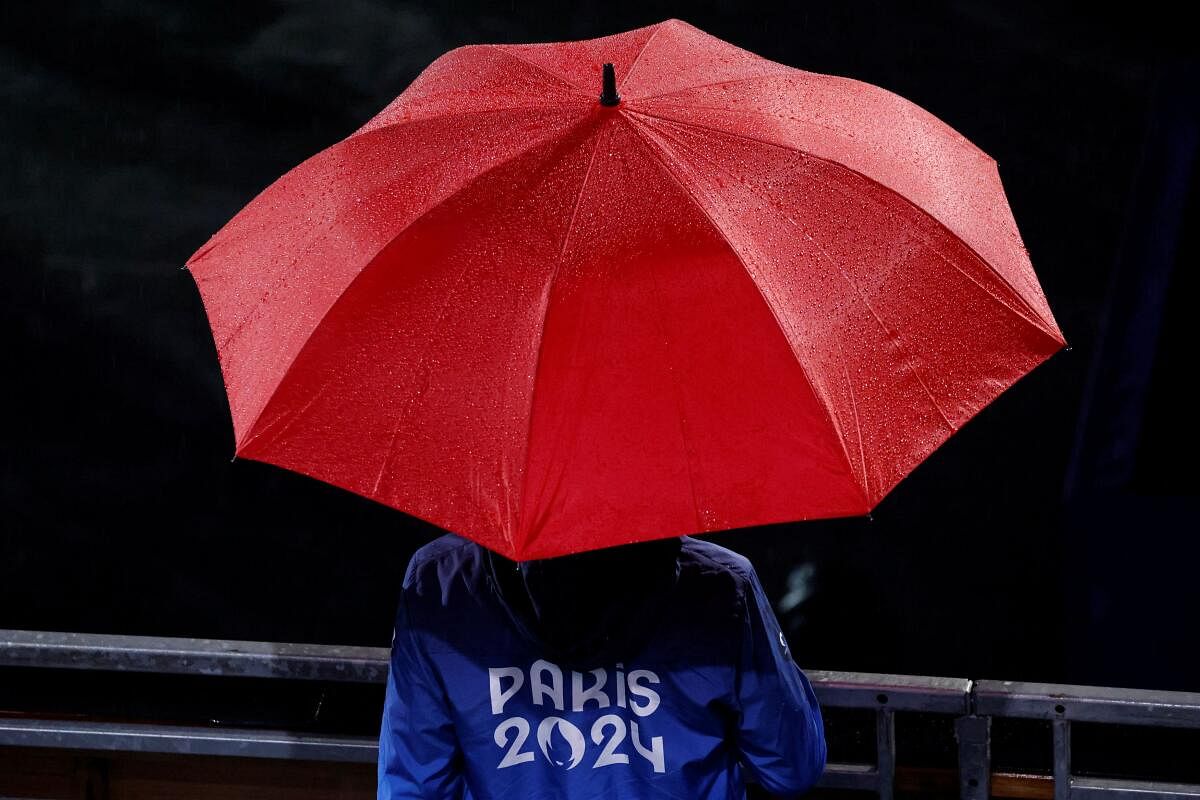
517	313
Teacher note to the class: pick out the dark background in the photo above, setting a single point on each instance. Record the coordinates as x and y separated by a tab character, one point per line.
1052	539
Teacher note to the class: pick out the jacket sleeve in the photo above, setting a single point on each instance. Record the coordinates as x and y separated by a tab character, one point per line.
780	733
419	755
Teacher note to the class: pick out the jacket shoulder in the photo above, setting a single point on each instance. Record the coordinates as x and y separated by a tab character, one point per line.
713	560
715	581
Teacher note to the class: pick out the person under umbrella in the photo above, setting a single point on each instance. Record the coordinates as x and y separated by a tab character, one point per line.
720	293
655	669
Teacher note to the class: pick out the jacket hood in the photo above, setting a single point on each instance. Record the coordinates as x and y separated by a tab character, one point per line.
592	607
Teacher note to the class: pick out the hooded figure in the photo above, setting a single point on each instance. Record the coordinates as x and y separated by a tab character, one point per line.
654	670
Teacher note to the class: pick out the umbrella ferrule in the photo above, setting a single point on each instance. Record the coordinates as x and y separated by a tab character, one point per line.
608	93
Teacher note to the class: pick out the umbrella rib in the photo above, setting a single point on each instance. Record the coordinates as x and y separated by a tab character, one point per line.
474	112
1030	315
862	452
638	57
295	416
782	71
889	332
437	204
228	239
437	324
316	237
423	374
725	110
539	68
831	128
562	251
654	150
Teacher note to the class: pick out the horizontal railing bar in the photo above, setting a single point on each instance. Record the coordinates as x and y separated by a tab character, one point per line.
1112	788
316	662
897	692
181	740
1088	704
188	740
51	650
125	737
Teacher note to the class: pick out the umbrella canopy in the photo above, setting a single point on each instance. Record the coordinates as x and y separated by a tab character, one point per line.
553	312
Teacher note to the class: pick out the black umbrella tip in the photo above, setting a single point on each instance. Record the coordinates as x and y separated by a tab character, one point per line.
608	94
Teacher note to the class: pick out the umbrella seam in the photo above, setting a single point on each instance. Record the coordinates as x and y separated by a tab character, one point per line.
953	428
841	356
295	416
312	241
888	94
449	197
698	107
629	72
863	491
1045	326
862	453
364	130
820	77
202	253
422	373
890	332
542	336
412	399
782	69
504	49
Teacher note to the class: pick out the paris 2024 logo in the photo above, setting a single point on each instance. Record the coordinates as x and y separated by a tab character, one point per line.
563	743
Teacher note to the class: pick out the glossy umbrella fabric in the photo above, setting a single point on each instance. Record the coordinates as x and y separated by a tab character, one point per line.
744	294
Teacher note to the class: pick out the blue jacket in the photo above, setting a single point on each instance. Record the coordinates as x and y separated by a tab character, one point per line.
712	698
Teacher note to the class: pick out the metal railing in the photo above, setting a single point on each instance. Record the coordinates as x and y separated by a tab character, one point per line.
973	704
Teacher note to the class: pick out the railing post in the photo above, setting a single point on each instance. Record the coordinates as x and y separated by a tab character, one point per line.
974	735
885	752
1062	759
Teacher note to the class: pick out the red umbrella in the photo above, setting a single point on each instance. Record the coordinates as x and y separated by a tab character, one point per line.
725	293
